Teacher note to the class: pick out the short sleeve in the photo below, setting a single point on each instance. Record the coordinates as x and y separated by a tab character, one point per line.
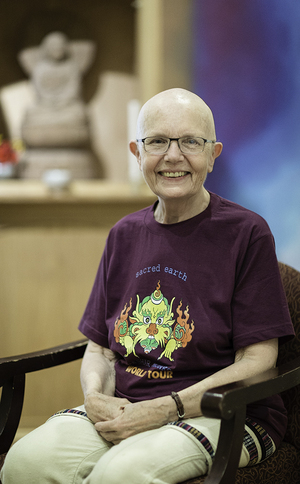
92	324
259	306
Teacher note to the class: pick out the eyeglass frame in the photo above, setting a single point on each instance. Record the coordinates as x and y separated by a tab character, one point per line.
142	140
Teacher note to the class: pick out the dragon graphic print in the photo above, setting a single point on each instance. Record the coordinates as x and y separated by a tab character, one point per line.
152	325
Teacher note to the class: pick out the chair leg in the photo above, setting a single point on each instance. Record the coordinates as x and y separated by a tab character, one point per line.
10	410
228	452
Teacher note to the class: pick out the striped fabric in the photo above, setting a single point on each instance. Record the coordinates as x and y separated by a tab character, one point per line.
257	441
196	433
71	410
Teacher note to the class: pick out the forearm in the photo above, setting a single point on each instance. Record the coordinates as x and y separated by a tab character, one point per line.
97	372
249	361
164	409
98	384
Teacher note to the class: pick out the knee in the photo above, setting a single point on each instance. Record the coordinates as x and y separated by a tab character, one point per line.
31	459
157	456
115	466
130	461
28	456
17	460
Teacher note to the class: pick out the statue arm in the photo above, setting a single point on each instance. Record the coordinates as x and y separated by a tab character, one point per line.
83	52
28	59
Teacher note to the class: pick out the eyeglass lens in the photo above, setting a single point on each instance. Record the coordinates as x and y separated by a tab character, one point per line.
159	145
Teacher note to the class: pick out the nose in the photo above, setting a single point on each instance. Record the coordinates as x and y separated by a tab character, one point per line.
152	330
174	152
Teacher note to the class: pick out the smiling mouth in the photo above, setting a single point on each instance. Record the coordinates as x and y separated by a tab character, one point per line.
176	174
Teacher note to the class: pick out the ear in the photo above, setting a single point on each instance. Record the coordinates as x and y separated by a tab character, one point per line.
133	146
217	150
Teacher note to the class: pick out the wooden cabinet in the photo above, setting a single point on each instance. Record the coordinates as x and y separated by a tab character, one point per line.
50	248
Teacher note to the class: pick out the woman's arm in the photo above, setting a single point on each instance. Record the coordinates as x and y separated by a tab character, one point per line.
249	361
97	377
149	414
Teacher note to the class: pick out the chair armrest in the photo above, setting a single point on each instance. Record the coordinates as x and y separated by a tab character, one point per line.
39	360
228	403
12	379
223	401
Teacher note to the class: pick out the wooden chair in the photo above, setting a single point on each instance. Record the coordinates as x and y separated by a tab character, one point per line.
227	403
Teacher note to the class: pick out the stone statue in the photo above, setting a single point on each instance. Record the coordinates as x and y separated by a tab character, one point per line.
55	129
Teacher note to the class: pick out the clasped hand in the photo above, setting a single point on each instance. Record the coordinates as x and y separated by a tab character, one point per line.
117	419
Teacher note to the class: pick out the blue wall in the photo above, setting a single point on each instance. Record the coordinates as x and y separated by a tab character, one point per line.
247	68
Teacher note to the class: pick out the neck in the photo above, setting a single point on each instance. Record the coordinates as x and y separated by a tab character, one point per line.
175	210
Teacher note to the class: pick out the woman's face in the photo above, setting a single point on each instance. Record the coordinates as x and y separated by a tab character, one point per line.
175	175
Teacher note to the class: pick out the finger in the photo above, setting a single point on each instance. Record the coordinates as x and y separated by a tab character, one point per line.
114	441
116	436
109	436
104	426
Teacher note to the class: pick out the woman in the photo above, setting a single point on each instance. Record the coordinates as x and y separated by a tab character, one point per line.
188	296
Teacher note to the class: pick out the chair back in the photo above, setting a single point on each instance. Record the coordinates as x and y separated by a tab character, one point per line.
290	350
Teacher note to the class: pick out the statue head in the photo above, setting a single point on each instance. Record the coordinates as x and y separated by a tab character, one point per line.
55	46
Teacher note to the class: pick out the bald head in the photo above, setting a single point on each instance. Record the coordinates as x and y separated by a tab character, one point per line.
175	105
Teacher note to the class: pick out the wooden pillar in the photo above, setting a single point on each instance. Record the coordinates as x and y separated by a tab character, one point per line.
163	45
149	47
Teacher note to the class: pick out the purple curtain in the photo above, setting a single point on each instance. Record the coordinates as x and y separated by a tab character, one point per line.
246	66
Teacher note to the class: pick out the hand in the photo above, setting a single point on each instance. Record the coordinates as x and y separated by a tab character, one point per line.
100	407
135	418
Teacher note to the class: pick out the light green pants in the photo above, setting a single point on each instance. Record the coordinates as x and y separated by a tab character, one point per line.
68	450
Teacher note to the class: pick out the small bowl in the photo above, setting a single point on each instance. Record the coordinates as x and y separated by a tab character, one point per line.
57	179
7	170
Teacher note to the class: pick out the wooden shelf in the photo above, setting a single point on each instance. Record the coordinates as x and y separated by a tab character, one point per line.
86	203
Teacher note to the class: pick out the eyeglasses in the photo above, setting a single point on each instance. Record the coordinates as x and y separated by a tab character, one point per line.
158	145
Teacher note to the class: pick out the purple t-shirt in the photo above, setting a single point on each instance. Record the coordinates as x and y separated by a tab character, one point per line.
176	302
